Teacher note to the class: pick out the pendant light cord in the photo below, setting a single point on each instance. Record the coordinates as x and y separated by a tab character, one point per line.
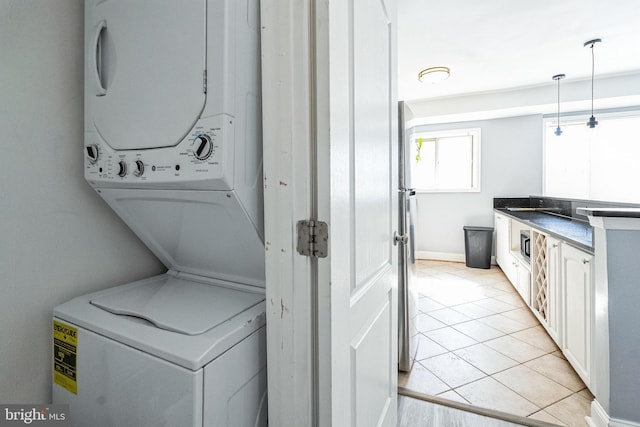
592	123
593	67
559	102
557	78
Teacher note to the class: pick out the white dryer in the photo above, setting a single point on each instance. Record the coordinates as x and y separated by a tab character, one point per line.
173	145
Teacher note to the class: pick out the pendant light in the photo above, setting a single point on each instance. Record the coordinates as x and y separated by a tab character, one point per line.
557	78
592	120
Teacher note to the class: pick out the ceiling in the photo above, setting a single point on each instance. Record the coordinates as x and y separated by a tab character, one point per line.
492	45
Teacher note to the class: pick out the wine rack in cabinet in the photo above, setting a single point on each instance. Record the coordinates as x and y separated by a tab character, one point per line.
540	271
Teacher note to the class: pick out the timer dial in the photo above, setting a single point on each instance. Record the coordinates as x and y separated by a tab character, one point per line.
138	168
202	147
122	168
92	153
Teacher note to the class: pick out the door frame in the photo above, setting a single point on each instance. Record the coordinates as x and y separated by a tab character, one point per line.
288	39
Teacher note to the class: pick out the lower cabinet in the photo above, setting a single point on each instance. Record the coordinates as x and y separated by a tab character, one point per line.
554	323
557	286
503	247
545	287
577	308
523	281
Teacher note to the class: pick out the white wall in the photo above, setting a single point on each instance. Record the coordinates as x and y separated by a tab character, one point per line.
58	239
511	166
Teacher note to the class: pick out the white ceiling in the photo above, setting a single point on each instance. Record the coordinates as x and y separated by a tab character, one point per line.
498	44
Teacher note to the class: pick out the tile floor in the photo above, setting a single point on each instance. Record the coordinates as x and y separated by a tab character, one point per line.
480	344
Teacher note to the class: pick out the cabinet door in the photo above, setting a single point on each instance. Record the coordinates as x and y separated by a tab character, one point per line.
503	256
502	239
577	300
523	283
553	288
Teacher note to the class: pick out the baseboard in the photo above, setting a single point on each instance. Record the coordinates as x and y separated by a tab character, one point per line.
440	256
622	423
600	418
445	256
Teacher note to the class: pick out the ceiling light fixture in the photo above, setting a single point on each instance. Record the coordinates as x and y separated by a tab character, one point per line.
558	77
592	120
434	74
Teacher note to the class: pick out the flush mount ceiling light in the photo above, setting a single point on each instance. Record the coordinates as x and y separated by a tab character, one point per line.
558	77
434	74
592	120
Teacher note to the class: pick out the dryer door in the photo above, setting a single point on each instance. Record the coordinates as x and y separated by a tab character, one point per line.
144	70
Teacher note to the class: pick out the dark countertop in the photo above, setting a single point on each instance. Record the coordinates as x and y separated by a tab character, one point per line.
611	212
574	231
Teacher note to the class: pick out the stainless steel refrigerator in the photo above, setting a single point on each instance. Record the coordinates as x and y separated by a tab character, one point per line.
407	206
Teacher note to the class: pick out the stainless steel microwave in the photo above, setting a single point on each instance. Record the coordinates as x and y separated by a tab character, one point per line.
525	244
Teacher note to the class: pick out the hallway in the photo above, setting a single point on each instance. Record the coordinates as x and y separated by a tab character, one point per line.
481	345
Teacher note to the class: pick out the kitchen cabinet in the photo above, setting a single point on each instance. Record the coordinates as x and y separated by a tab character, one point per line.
503	247
554	297
523	279
577	308
508	257
557	285
545	289
540	283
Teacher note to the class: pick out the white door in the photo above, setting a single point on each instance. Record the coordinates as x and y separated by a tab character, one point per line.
330	149
362	199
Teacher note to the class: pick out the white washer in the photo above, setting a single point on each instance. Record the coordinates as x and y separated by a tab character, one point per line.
198	359
173	145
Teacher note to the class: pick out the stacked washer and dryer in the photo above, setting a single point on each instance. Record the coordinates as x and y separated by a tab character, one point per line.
173	145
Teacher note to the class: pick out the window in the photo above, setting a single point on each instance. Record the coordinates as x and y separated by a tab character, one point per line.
446	161
596	164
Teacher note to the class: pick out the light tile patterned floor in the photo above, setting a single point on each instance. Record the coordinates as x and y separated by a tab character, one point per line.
480	344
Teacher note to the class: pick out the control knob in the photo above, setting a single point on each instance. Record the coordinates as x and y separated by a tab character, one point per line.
202	147
92	153
122	168
138	168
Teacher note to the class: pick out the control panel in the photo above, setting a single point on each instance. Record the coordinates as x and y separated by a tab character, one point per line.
202	160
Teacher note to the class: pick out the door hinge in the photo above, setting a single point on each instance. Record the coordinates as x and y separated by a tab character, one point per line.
397	238
204	81
313	238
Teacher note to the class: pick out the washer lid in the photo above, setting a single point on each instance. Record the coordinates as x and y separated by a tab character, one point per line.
144	70
174	304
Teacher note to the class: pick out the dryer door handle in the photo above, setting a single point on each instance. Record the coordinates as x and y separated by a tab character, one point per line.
98	56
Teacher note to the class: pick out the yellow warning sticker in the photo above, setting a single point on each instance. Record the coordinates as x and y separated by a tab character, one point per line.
65	352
